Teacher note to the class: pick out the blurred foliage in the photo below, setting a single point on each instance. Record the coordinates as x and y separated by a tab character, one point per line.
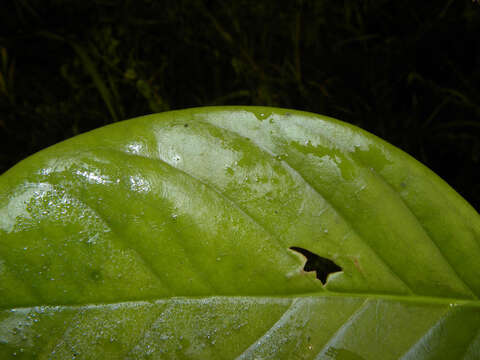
408	71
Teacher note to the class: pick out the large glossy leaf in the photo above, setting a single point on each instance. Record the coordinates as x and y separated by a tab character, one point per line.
171	236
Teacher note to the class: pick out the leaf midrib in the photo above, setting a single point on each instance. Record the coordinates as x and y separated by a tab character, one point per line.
386	297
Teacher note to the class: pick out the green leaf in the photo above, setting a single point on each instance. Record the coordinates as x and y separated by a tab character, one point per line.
180	235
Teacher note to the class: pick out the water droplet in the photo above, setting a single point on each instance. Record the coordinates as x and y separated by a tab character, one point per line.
93	239
281	157
261	115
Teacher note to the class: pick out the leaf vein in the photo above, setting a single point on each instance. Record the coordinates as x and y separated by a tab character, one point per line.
286	313
425	231
141	257
353	317
220	194
340	213
382	178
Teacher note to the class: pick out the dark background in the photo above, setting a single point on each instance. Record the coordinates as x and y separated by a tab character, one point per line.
407	71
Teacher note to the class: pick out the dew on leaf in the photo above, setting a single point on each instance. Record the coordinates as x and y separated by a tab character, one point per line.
96	275
281	157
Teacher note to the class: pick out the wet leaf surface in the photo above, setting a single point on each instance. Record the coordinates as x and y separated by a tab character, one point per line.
177	235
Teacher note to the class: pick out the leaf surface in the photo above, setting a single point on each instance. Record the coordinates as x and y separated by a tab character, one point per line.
171	236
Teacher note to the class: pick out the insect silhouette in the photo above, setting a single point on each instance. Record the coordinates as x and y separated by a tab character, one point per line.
322	266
